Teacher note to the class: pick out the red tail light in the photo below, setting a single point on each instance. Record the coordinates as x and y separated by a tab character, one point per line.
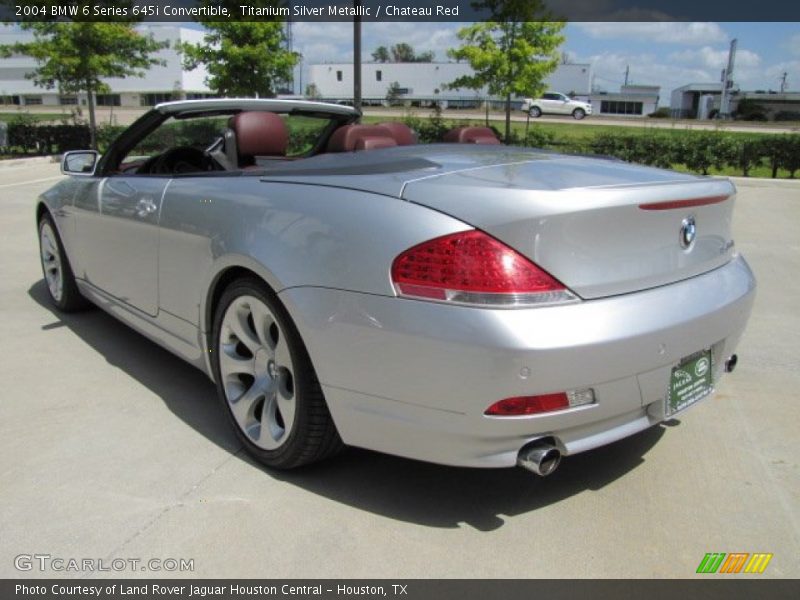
528	405
532	405
472	267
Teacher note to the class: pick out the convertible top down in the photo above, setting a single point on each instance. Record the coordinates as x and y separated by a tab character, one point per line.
465	303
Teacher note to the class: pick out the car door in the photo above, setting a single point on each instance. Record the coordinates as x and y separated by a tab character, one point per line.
548	104
118	232
560	104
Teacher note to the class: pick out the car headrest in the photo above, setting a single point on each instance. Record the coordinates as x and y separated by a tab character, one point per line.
371	142
401	133
258	134
471	135
360	137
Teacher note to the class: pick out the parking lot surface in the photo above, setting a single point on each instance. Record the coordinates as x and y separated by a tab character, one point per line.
110	447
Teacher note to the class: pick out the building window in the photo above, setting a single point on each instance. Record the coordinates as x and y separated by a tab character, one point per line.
338	75
10	100
68	100
199	96
31	100
378	75
621	107
107	100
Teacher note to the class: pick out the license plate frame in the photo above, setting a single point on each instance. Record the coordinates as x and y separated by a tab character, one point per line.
690	381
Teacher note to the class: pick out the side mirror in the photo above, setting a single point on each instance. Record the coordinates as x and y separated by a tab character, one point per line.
79	162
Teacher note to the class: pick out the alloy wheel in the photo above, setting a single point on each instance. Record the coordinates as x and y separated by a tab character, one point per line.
257	372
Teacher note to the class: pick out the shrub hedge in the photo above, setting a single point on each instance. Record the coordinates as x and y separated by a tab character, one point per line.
698	151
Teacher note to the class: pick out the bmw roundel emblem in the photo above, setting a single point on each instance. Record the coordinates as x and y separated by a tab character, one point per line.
688	232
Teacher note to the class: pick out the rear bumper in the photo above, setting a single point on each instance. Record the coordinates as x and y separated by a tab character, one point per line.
413	378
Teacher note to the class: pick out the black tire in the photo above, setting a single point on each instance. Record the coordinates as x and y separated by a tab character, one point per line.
312	436
70	298
535	112
578	114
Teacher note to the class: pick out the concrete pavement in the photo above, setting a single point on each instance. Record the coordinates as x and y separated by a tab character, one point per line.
112	448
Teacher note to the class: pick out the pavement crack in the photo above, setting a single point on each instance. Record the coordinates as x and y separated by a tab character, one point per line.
179	501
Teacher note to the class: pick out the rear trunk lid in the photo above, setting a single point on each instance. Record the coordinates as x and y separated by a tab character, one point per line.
601	227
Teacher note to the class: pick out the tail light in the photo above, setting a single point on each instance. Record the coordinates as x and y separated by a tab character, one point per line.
471	267
532	405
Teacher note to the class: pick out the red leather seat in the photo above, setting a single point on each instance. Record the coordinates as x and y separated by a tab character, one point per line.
401	133
350	138
257	134
471	135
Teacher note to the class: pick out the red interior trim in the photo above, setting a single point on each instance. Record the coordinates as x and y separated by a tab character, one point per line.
673	204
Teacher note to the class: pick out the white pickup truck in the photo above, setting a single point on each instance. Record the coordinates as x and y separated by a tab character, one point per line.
554	103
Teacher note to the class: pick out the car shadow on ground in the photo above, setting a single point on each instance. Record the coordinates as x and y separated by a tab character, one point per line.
397	488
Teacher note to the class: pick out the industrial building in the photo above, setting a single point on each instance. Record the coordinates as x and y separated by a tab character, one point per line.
702	101
161	83
425	83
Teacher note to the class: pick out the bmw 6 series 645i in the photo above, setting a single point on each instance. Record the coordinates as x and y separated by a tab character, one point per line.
465	303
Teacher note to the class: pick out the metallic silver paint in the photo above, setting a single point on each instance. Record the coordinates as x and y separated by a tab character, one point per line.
412	377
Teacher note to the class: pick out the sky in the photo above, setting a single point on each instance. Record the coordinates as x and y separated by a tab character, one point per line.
669	54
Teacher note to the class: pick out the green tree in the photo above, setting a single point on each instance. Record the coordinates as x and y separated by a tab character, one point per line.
381	54
77	56
393	93
425	57
512	53
247	58
402	52
312	92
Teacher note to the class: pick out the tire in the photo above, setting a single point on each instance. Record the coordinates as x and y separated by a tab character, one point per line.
578	114
266	382
58	276
535	112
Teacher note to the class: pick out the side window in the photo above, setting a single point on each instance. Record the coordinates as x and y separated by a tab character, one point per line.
304	133
338	75
184	139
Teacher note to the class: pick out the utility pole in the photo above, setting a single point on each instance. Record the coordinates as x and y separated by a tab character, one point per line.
783	82
290	48
357	56
727	83
627	72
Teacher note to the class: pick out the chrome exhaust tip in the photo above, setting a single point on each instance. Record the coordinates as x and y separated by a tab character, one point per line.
730	364
540	458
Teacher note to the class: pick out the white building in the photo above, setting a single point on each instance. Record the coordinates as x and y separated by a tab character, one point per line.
685	101
630	101
426	82
702	101
161	83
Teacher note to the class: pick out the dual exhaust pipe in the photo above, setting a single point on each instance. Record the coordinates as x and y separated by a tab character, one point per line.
540	458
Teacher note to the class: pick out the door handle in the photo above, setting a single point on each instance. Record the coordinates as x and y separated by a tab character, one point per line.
145	207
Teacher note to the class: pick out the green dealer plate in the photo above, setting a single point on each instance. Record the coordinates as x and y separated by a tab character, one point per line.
690	381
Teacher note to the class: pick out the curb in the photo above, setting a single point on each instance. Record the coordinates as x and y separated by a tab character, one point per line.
784	181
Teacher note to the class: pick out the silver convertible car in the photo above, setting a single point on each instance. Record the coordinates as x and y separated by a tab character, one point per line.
465	303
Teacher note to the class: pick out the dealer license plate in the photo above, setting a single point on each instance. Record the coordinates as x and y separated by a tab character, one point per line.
690	381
